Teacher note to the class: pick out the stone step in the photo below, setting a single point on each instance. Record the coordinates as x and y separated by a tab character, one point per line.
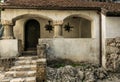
28	58
20	73
25	79
6	80
29	53
23	68
25	62
28	62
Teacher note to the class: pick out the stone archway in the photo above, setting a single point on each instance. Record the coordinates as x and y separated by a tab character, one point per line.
32	34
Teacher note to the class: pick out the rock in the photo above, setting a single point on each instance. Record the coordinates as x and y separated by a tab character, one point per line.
118	44
109	41
101	74
90	77
2	75
117	39
113	44
69	70
113	54
41	50
80	74
50	73
89	73
111	49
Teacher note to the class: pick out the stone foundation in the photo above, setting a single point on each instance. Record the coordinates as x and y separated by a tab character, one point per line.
41	71
68	73
6	63
41	50
113	54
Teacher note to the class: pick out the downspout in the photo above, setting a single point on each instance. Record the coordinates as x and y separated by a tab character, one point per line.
100	38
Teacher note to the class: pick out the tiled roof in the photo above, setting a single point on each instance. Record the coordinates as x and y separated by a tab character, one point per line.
62	4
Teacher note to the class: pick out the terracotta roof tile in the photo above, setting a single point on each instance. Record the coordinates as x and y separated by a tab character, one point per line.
61	4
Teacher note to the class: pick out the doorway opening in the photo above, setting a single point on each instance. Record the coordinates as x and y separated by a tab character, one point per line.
32	34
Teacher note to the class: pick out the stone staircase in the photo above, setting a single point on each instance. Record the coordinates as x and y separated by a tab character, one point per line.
24	70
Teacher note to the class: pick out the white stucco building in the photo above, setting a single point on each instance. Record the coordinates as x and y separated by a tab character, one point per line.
72	29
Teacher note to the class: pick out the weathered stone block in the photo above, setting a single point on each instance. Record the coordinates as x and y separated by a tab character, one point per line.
110	49
109	41
6	63
41	50
112	54
117	39
41	71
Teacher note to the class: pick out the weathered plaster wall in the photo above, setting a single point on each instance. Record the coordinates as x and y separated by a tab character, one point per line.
49	14
54	15
8	48
81	28
90	48
19	31
80	50
20	25
112	27
86	29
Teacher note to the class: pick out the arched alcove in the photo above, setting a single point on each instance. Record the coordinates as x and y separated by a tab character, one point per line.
80	27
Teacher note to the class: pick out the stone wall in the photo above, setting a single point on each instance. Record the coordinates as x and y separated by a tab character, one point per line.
6	63
88	73
41	71
113	54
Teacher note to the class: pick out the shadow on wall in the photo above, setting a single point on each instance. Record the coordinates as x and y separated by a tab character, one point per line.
1	30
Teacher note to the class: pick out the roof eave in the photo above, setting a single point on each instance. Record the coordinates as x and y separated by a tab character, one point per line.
50	8
113	14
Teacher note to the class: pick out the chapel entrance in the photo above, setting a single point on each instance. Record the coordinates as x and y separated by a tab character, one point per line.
32	34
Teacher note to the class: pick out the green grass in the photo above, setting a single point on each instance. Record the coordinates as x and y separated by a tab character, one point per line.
63	62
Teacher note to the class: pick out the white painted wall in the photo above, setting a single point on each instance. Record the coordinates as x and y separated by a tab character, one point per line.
9	48
112	27
79	50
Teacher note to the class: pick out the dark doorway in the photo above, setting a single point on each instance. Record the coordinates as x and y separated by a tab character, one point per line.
32	34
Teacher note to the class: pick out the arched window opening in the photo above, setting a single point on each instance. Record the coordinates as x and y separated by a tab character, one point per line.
76	27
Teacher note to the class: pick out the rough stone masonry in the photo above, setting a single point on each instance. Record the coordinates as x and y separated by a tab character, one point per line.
113	54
